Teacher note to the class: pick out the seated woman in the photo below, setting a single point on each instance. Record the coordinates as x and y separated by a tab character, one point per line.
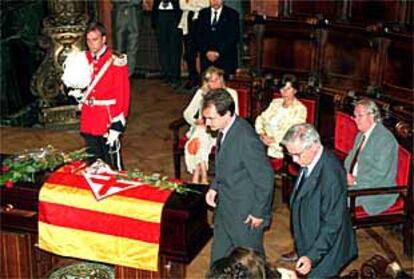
245	263
200	141
281	114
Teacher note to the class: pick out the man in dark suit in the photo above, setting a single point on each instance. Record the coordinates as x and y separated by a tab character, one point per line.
217	37
322	231
242	189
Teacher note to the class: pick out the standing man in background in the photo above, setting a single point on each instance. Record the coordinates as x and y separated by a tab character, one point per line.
105	105
188	25
126	22
218	36
242	189
165	16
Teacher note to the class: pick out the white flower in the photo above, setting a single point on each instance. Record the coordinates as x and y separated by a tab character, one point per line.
76	70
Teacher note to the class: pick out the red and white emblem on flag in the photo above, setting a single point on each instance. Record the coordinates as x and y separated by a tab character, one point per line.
104	182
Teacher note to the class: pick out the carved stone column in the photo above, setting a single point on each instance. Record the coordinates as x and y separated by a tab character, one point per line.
64	29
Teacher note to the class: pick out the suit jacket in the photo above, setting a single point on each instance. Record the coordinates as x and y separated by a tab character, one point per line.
377	167
223	38
244	177
321	224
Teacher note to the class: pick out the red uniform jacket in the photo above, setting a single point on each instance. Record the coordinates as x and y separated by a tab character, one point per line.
114	85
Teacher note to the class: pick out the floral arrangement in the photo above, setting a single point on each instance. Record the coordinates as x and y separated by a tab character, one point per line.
23	167
157	180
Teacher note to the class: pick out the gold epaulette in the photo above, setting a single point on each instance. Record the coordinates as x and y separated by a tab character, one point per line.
120	59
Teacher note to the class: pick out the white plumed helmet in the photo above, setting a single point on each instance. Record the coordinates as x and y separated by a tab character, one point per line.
76	70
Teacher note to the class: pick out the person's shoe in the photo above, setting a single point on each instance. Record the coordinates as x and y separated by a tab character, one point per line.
290	257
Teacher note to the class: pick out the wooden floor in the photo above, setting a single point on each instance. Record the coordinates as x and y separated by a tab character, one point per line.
147	145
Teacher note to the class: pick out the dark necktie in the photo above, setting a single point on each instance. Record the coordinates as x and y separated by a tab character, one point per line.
165	3
299	183
304	172
215	19
218	142
355	159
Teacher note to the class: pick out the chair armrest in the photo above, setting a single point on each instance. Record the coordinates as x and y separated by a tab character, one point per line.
378	191
354	193
175	126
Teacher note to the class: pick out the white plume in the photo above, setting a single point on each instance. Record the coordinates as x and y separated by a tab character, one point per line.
76	70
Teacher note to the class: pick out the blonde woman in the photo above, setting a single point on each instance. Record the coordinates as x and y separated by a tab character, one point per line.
200	142
281	114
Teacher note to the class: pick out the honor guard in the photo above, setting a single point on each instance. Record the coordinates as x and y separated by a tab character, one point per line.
105	102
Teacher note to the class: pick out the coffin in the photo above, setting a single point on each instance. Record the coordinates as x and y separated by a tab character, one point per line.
184	226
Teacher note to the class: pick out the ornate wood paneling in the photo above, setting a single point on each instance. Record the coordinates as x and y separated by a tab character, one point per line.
290	47
265	7
20	258
353	48
397	69
366	12
347	58
329	9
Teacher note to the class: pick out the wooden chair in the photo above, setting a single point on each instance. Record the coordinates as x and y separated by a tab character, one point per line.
399	213
288	168
179	140
345	133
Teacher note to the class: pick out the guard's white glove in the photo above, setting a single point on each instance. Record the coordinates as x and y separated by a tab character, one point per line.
77	94
112	137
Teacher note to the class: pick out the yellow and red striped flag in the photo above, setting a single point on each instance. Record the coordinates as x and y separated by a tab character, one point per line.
123	229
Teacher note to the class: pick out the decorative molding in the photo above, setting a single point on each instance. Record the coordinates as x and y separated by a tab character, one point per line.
63	33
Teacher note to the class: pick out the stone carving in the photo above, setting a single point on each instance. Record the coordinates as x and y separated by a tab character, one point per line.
63	29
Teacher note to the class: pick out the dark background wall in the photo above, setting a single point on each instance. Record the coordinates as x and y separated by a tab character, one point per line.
20	51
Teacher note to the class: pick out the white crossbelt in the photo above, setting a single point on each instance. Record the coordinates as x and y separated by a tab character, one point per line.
97	79
93	102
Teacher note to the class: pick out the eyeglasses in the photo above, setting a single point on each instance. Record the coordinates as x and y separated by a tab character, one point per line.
297	155
360	115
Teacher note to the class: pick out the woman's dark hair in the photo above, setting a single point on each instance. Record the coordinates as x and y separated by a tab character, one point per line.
221	269
242	263
290	78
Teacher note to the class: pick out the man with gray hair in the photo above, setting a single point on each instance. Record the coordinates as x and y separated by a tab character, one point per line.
372	162
321	227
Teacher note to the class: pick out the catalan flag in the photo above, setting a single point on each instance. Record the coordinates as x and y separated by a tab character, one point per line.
122	229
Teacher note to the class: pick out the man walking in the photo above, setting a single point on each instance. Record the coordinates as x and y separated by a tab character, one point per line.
322	231
242	190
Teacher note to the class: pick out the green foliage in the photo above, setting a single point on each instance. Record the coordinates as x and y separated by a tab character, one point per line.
23	167
157	180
